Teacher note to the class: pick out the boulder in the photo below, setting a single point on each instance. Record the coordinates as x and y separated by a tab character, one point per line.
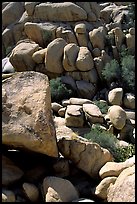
57	189
55	51
41	33
86	89
74	116
7	66
31	191
56	106
39	56
90	76
81	34
97	38
12	13
130	40
101	189
26	118
61	168
115	96
119	37
93	113
123	189
117	116
84	61
21	56
87	156
10	172
8	196
29	7
129	101
63	11
62	111
79	101
70	55
115	168
69	81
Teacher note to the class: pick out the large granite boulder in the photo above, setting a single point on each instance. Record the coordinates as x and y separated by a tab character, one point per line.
26	113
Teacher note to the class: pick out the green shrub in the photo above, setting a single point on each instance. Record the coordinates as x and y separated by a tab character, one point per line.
59	91
123	72
110	142
102	106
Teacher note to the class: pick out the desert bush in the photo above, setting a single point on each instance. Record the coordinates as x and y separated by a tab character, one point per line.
109	141
59	90
123	72
102	106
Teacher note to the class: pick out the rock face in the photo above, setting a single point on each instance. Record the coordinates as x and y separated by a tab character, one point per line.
115	96
88	156
26	118
59	190
123	189
10	172
64	11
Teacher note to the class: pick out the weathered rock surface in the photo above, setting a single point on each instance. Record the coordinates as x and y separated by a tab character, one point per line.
59	190
123	189
129	101
115	96
86	89
87	156
26	118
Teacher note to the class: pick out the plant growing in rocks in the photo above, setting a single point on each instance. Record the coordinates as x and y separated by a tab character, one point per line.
109	141
123	72
59	90
102	106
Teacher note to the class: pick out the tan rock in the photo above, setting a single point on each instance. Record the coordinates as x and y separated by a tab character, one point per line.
119	37
63	11
80	28
84	61
79	101
10	172
29	7
21	56
101	190
62	111
90	76
27	120
93	113
56	106
117	116
58	190
87	156
74	116
70	55
123	189
115	96
55	51
31	191
129	101
39	56
130	114
130	42
115	168
66	33
97	38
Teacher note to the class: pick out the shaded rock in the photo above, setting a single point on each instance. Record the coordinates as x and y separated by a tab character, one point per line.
130	114
58	190
130	40
62	111
90	76
69	81
126	133
74	116
93	113
117	116
87	156
115	168
123	189
119	37
8	196
86	89
115	96
10	172
96	52
84	61
56	106
29	7
101	189
63	11
61	168
21	56
70	55
26	119
55	51
129	101
31	191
